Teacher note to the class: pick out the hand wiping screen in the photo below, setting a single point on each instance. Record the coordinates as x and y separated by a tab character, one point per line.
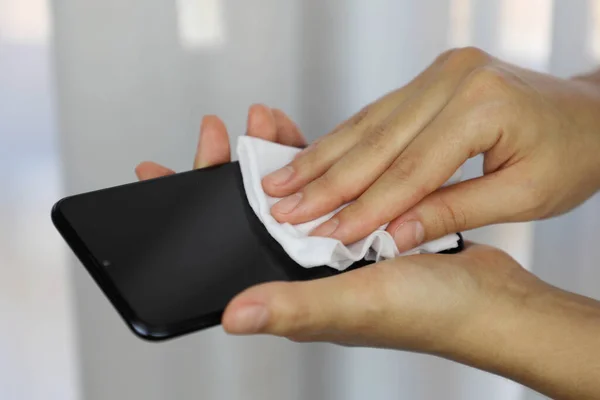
257	159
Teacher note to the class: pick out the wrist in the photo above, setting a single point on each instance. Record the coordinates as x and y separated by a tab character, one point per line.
489	336
545	338
589	87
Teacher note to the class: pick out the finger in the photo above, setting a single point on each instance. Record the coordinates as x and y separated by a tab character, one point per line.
261	123
213	146
150	170
316	158
321	155
459	132
287	131
408	180
467	205
294	309
368	306
369	159
470	125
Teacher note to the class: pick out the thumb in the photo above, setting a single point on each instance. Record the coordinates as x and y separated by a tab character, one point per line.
293	309
487	200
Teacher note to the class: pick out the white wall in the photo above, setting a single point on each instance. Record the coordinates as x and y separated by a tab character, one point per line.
37	354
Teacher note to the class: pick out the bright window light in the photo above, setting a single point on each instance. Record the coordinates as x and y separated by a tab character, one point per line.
526	31
460	23
595	30
200	23
24	21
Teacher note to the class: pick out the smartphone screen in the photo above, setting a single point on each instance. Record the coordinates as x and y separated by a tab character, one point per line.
170	253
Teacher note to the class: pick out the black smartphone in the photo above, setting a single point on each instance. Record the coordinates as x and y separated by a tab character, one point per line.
171	252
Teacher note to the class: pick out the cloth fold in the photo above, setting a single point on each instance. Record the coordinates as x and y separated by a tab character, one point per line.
258	158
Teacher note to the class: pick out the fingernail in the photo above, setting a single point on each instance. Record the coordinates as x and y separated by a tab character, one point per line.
409	235
250	319
326	229
287	204
281	176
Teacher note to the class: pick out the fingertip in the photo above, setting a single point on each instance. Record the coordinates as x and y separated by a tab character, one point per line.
150	170
208	119
273	189
287	130
252	311
261	123
280	217
213	146
353	223
212	125
140	169
246	320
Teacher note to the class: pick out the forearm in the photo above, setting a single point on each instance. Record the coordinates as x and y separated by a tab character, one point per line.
549	341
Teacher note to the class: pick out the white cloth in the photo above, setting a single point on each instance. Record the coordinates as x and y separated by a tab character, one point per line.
257	159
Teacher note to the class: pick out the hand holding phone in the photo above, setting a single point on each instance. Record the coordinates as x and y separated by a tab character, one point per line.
172	251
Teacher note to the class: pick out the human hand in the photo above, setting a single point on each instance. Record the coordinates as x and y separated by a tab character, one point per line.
380	305
424	303
539	136
478	307
214	147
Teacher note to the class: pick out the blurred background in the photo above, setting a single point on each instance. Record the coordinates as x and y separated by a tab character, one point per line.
90	88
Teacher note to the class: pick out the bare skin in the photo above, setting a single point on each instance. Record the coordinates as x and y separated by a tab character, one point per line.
538	135
480	307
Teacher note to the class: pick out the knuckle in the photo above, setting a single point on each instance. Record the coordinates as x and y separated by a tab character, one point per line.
352	122
467	56
310	162
536	203
376	138
359	117
291	319
404	168
363	215
450	218
486	82
443	57
331	186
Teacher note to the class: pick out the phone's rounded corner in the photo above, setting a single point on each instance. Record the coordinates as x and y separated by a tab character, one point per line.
147	332
156	333
56	213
